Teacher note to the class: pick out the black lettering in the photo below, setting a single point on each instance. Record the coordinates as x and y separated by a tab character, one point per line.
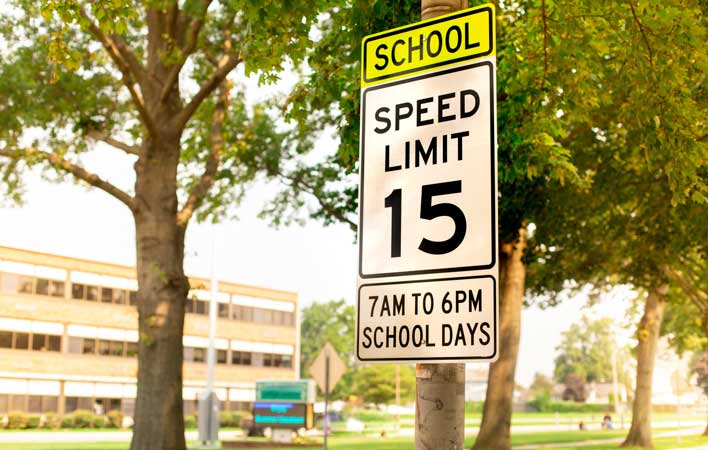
447	38
460	336
374	298
389	167
403	342
442	106
484	332
470	113
417	336
412	48
390	337
421	153
459	137
446	334
380	55
422	110
399	305
396	62
428	342
475	301
402	115
382	119
385	307
444	149
472	331
428	296
435	53
468	44
367	338
416	295
460	299
377	343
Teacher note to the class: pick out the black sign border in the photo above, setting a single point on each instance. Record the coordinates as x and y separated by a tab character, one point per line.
492	131
415	26
456	358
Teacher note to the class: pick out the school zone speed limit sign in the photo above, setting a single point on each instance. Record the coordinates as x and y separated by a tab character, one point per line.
428	273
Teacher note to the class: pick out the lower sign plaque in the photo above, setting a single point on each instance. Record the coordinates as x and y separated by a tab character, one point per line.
437	320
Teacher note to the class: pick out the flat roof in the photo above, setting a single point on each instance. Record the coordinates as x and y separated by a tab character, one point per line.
117	270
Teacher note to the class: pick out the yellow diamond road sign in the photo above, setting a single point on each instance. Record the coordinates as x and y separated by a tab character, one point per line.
337	368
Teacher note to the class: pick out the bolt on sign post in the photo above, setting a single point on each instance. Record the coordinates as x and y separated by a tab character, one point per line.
427	281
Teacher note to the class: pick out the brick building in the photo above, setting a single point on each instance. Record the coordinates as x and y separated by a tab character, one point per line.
69	340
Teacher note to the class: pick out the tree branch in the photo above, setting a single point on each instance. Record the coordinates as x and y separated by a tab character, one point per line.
641	29
195	26
101	136
201	189
77	171
126	63
545	43
226	65
306	187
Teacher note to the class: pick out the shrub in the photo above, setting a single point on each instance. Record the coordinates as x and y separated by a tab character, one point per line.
83	418
474	407
67	421
225	419
190	422
237	416
546	405
17	420
52	421
99	421
371	415
115	419
33	421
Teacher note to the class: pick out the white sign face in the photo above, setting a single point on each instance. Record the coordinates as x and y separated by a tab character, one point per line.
448	319
427	284
428	174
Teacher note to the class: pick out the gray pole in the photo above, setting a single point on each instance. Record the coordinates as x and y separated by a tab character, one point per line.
440	388
325	424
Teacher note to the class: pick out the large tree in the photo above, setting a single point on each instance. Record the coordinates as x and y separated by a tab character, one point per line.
155	80
568	74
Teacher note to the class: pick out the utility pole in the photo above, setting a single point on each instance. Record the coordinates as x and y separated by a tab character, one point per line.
440	388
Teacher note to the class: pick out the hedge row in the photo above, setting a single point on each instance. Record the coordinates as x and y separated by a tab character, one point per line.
78	419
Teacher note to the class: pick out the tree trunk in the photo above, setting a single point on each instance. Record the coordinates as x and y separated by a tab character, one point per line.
495	430
648	336
162	294
440	407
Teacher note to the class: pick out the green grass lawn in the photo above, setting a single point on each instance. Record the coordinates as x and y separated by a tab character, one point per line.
360	443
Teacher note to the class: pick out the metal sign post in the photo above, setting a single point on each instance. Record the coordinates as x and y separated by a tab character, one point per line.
325	421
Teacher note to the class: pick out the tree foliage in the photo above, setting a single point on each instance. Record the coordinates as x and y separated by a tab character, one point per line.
331	322
377	383
586	350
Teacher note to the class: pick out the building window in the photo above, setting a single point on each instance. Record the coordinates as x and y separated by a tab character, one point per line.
39	342
78	291
268	360
199	355
257	359
240	358
22	341
133	298
104	347
89	347
223	310
244	313
76	345
71	404
92	293
200	307
221	357
131	349
42	286
116	348
34	404
106	295
5	339
17	402
119	297
52	288
4	403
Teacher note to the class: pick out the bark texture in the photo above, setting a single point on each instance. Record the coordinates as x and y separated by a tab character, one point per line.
495	430
648	336
440	407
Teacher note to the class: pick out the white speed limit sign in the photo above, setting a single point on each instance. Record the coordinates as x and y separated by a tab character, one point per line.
428	219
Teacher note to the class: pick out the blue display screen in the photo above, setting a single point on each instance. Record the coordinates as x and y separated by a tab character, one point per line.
287	415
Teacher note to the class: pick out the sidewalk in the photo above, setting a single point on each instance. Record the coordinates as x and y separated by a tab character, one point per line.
613	441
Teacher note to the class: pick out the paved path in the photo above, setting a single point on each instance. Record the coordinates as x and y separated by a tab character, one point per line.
613	441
